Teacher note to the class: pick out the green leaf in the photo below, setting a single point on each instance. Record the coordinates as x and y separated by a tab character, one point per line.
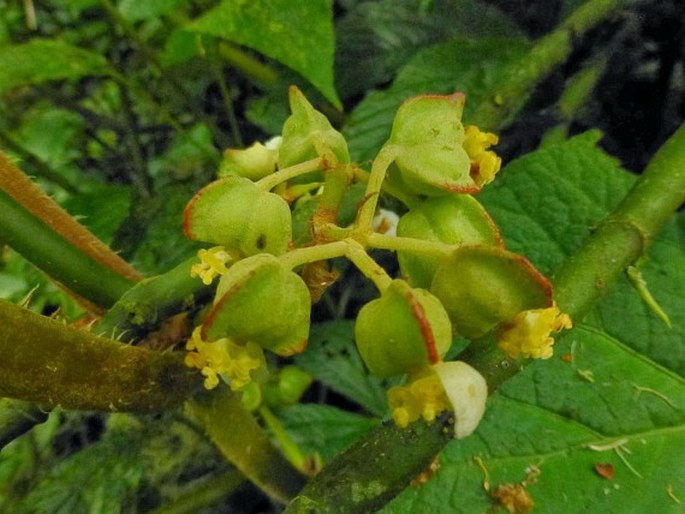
297	34
552	417
41	60
332	358
95	480
134	10
466	65
324	429
101	208
376	38
546	202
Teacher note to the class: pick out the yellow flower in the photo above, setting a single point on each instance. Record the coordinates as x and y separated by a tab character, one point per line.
225	358
484	163
528	334
212	263
424	397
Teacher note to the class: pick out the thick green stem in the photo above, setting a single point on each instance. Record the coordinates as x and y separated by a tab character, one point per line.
46	362
243	442
151	301
57	257
625	235
374	470
511	93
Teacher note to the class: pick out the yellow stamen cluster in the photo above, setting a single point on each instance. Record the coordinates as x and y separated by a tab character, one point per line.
484	163
223	357
212	263
424	397
528	334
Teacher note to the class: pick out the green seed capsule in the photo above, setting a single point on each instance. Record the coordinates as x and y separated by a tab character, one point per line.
260	300
455	220
428	137
235	213
404	329
483	286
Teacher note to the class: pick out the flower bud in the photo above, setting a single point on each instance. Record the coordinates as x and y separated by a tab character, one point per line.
235	213
467	392
455	220
404	329
428	135
254	162
260	300
308	134
483	286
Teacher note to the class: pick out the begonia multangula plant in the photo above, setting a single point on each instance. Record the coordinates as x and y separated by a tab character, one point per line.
456	276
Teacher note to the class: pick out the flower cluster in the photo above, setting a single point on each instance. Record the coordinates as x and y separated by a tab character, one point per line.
280	213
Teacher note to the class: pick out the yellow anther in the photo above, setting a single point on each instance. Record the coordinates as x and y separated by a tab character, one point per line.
484	163
212	263
528	334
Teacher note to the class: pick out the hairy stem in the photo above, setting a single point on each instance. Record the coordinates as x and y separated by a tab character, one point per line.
49	363
66	263
23	191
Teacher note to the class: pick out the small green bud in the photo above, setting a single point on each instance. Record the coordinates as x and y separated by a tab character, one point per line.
404	329
308	134
483	286
428	135
254	162
455	220
235	213
260	300
291	385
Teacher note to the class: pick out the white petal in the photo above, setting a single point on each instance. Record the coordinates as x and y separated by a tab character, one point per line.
467	391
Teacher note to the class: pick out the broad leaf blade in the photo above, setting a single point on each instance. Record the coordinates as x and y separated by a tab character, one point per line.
553	418
297	34
41	60
324	429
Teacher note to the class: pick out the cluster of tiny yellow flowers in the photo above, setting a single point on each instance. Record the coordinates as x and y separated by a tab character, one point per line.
424	397
528	334
484	163
223	357
212	263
